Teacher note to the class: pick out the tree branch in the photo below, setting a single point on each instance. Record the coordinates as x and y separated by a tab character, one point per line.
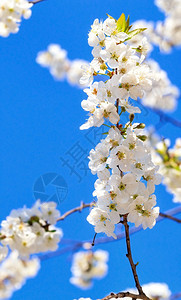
36	1
163	215
135	296
125	294
76	245
167	214
79	208
129	256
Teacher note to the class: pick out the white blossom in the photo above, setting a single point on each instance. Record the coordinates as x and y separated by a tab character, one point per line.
169	161
87	266
55	58
14	272
3	252
126	173
163	94
11	14
75	72
153	290
32	230
101	220
130	187
170	29
157	290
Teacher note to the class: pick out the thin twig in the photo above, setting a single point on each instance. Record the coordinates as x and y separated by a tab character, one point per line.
58	253
117	109
170	217
93	242
105	240
130	258
83	205
125	294
36	1
135	296
79	208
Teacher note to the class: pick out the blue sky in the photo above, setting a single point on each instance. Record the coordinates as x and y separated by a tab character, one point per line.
40	121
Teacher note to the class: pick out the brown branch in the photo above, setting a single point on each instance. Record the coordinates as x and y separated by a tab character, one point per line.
129	256
135	296
117	109
163	215
93	242
36	1
104	240
125	294
79	208
169	213
133	268
85	205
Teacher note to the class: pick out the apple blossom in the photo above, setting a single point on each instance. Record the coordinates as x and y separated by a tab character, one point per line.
11	13
87	266
32	230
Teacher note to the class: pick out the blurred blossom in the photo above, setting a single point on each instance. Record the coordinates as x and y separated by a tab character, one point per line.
11	13
87	266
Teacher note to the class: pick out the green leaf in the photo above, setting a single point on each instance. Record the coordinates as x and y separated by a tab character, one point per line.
121	23
135	32
110	17
127	25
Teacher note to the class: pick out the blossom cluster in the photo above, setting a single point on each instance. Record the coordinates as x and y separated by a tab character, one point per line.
126	74
151	34
122	161
170	29
55	58
153	290
167	33
31	230
169	161
164	94
126	181
87	266
11	13
25	232
13	273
